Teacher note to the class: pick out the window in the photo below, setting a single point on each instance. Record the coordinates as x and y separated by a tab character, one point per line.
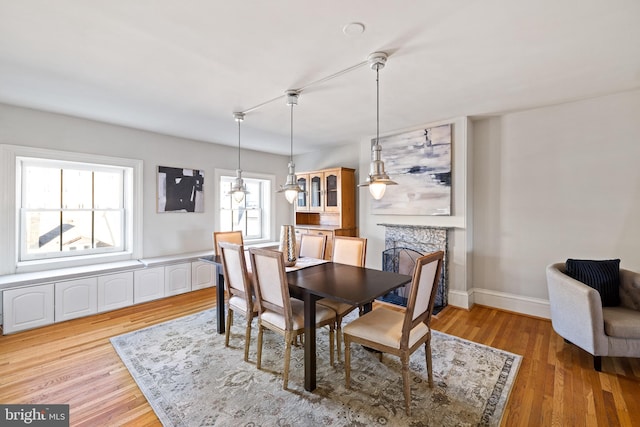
69	209
251	215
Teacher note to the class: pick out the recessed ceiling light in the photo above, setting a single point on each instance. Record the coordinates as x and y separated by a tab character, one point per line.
353	29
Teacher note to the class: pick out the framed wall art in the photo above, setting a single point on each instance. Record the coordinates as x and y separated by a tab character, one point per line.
420	162
180	190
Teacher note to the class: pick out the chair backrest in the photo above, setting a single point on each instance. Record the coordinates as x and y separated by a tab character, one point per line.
424	286
236	275
313	245
270	282
349	250
226	236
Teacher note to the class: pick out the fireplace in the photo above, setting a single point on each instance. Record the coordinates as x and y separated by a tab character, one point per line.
403	244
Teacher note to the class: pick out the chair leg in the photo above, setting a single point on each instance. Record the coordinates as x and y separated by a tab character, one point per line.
259	355
287	359
427	351
331	333
597	363
347	362
339	336
405	383
227	330
247	338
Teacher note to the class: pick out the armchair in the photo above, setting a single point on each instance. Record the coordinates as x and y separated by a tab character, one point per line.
578	316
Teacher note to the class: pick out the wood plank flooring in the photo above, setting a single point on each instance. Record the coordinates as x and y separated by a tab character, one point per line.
73	362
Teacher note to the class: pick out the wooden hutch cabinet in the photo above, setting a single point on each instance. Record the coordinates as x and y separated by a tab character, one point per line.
328	205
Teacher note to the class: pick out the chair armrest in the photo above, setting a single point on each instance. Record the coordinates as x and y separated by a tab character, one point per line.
576	311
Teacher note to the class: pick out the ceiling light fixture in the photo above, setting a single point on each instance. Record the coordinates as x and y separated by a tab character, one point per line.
378	179
291	187
353	29
239	189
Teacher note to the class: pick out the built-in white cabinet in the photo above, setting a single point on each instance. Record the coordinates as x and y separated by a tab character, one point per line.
203	275
148	284
115	291
177	279
76	298
26	308
34	305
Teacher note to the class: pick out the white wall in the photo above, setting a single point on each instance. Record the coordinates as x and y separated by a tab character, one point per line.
550	184
165	233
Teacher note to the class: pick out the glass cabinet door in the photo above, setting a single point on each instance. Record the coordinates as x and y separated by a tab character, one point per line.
303	197
331	194
315	192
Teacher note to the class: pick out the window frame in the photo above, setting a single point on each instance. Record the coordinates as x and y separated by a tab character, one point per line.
10	229
268	220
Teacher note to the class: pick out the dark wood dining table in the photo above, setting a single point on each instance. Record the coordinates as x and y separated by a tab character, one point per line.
353	285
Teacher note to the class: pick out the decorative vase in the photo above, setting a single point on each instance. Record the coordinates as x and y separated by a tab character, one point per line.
288	245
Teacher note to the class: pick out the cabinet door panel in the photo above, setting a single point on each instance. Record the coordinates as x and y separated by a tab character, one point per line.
202	275
177	279
27	308
331	199
76	298
303	197
315	193
115	291
148	284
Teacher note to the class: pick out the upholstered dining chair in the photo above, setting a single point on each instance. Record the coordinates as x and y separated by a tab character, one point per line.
313	245
277	310
352	251
226	236
240	290
400	333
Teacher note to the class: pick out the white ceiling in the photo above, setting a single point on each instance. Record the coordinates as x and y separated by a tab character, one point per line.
182	68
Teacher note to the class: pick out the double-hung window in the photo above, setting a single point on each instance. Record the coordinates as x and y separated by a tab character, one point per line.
252	215
71	209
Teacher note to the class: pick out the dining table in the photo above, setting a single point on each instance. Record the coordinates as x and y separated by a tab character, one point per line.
312	280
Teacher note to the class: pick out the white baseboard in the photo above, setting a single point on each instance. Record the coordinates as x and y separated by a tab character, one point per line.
516	303
502	300
461	299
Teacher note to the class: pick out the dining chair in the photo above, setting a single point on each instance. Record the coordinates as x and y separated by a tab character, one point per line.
277	310
239	288
226	236
400	333
352	251
313	245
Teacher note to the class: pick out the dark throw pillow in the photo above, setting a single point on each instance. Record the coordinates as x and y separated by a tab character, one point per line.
603	276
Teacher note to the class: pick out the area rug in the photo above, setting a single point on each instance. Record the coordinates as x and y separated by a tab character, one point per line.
191	379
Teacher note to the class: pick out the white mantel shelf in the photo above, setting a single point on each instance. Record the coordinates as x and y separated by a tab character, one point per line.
435	227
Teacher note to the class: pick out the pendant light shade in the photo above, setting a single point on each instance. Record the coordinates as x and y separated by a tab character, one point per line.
378	179
291	187
239	189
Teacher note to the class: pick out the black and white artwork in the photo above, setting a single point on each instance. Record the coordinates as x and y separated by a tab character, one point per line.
180	190
420	162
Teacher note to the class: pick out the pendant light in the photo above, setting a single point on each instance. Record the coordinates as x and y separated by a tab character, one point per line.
239	189
291	187
378	179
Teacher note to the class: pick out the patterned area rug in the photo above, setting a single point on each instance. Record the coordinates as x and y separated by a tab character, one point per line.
191	379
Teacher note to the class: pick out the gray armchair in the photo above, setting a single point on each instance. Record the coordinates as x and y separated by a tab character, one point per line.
577	315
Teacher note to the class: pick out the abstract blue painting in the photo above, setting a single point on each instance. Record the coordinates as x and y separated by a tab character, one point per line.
420	162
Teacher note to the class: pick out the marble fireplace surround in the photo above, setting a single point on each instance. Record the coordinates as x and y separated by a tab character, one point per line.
424	239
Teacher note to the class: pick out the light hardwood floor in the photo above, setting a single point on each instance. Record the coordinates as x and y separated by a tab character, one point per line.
73	362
